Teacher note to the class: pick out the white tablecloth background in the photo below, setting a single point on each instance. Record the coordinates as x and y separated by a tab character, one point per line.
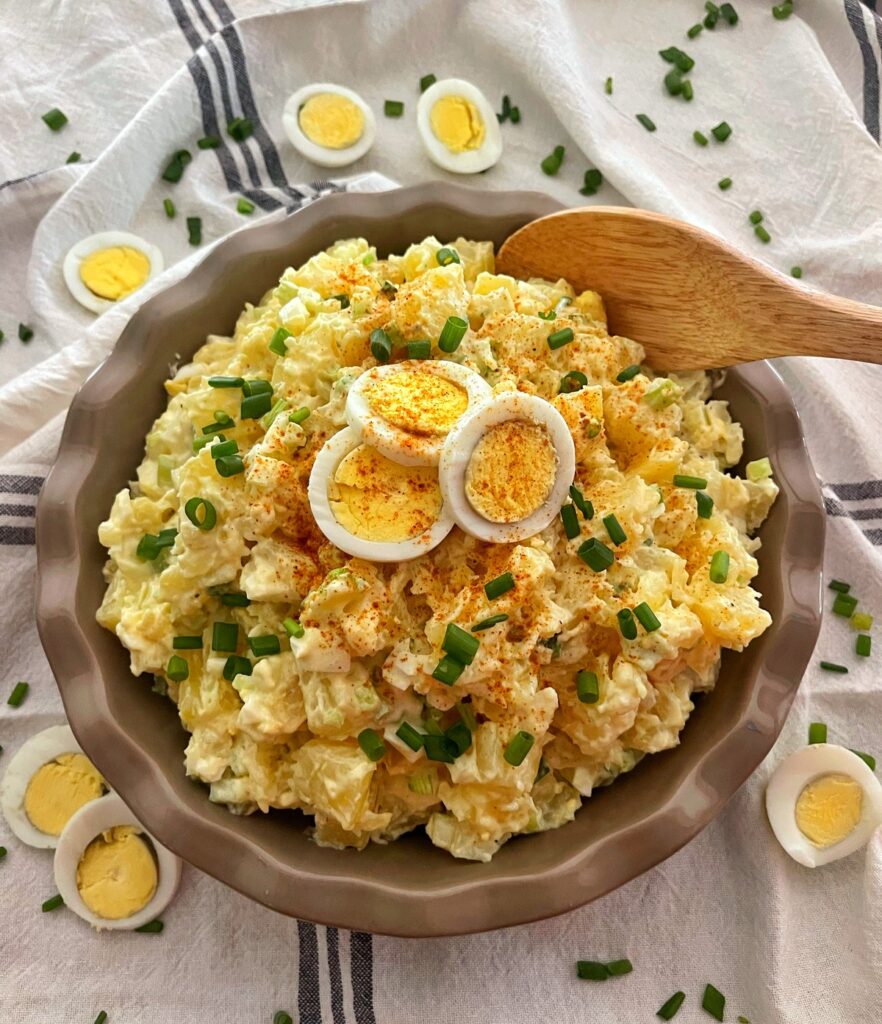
786	945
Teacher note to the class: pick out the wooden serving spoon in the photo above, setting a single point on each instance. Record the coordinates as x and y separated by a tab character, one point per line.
690	299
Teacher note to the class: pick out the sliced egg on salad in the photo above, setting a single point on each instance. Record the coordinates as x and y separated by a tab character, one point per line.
109	871
506	467
372	507
329	124
823	803
104	268
458	127
48	780
406	410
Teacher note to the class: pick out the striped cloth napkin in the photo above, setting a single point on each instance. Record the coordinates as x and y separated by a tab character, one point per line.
138	81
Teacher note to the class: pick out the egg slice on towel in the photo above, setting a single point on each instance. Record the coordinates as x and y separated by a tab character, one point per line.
372	507
109	871
328	124
48	780
823	803
506	466
104	268
406	410
458	127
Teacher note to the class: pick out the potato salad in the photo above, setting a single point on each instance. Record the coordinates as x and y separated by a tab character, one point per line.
424	546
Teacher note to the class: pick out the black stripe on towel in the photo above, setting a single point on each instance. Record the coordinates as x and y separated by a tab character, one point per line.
17	535
857	491
854	13
19	511
834	508
361	957
332	940
14	484
309	999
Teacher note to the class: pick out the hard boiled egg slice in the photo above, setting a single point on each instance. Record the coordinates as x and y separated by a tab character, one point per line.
459	127
506	467
406	410
329	124
109	871
104	268
823	803
48	780
372	507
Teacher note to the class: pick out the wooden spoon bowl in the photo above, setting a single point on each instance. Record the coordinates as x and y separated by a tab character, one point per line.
690	299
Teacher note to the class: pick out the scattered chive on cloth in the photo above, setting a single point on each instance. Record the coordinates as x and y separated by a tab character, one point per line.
139	82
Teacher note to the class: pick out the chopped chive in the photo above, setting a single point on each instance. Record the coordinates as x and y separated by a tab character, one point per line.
54	119
370	742
669	1008
647	617
686	91
719	567
596	555
19	692
591	183
759	469
263	646
53	903
293	628
25	333
571	382
299	415
494	620
219	449
194	230
796	272
549	314
229	465
863	645
460	736
722	131
421	349
452	334
868	759
614	528
409	736
515	115
694	31
782	11
518	747
728	12
3	852
762	234
448	670
713	1002
587	687
845	605
278	342
724	184
696	483
551	164
627	625
244	207
169	208
235	599
175	169
255	406
700	138
499	586
237	666
618	968
101	1018
831	666
542	771
662	395
151	928
447	255
187	643
422	783
506	110
467	715
629	373
177	668
256	386
755	217
591	970
225	382
581	502
646	121
393	108
570	521
861	621
674	55
459	644
426	81
368	259
209	142
74	158
224	637
439	748
817	732
240	128
557	339
674	81
381	345
201	513
711	18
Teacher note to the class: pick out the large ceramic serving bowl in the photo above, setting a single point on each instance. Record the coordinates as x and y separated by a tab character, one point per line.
409	887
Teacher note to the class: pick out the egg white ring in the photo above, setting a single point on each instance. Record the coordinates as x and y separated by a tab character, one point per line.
323	155
471	161
460	446
87	824
326	462
105	240
40	749
791	777
422	449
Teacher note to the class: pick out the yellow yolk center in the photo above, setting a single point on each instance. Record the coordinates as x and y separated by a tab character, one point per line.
377	499
828	810
116	876
59	789
115	272
331	120
511	471
418	401
457	123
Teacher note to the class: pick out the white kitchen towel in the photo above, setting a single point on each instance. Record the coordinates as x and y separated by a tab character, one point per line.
786	945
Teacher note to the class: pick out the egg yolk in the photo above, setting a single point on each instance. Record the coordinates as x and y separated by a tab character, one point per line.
511	471
115	272
417	401
457	123
828	810
377	499
331	120
116	876
59	789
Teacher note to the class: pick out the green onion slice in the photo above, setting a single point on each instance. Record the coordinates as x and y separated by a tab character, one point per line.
617	968
19	692
237	666
209	142
587	687
696	483
608	86
151	928
499	586
705	504
235	600
493	620
54	119
868	759
426	81
448	670
831	666
460	736
194	230
845	605
279	341
262	646
53	903
518	747
293	628
409	736
581	502
224	637
796	272
421	349
25	333
719	567
614	528
372	744
201	513
724	184
381	345
240	128
557	339
629	373
447	255
225	382
255	406
596	555
177	668
452	334
570	521
169	208
646	121
229	465
863	645
721	131
647	617
551	164
713	1002
591	970
459	644
627	625
439	748
817	732
393	108
175	169
669	1008
187	643
700	138
571	382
